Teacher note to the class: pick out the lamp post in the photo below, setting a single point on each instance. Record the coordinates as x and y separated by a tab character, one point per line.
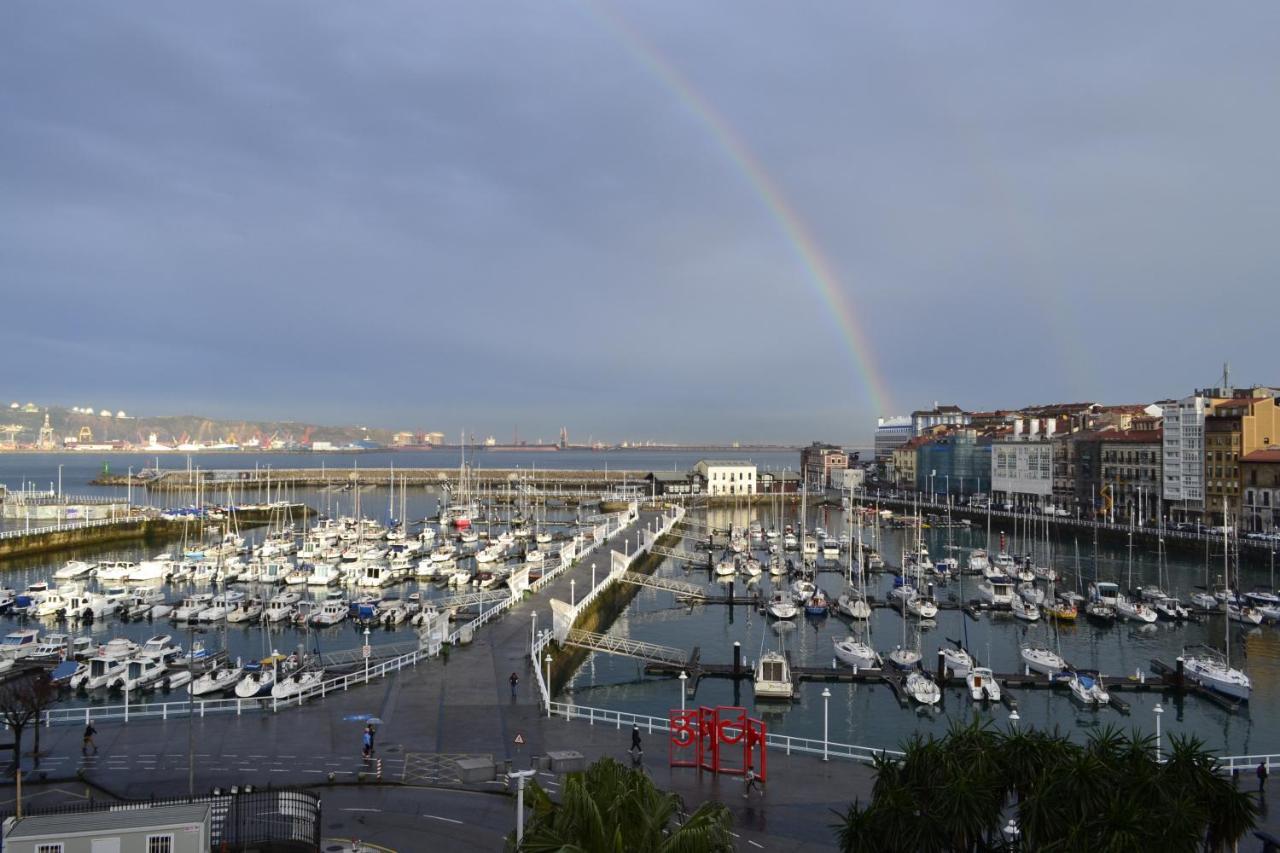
1013	719
548	660
520	776
826	697
573	596
684	677
1158	710
365	651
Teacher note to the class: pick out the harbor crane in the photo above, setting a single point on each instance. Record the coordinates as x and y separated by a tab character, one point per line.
11	431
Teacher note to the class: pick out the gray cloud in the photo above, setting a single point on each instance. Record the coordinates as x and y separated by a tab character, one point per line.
478	214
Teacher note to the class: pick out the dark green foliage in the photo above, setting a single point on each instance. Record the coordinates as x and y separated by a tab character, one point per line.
614	809
958	793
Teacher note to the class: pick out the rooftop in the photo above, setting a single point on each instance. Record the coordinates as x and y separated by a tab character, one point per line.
1267	454
43	826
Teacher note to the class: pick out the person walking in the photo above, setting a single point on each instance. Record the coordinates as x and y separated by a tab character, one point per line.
367	751
752	782
1263	773
89	732
637	751
515	682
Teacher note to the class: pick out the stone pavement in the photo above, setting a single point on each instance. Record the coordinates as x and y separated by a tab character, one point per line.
459	704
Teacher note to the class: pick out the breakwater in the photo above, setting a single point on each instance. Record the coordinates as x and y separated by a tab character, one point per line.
148	529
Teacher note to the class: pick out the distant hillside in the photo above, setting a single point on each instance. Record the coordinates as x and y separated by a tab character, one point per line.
172	429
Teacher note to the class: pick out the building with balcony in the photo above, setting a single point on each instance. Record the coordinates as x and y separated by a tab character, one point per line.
1260	486
1132	472
925	420
1022	466
1236	428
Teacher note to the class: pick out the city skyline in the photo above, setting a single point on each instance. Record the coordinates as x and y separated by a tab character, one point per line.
639	220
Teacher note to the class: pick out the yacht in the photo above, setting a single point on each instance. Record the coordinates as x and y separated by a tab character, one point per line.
249	610
1211	670
817	605
1104	592
978	562
297	684
256	680
773	677
324	574
982	685
150	570
1171	610
190	608
1244	613
99	672
1135	610
331	613
1088	689
19	644
1042	660
1023	609
781	606
74	569
1266	603
956	661
922	689
831	549
216	680
114	571
997	591
855	653
1031	593
138	673
160	646
852	604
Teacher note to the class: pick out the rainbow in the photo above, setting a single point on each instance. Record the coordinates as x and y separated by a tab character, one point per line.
818	269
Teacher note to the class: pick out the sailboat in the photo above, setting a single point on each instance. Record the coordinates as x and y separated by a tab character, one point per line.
853	601
922	689
1207	667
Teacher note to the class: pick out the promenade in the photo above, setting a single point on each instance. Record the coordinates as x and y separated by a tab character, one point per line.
456	705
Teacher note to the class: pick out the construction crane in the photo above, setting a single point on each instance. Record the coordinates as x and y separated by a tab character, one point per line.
11	432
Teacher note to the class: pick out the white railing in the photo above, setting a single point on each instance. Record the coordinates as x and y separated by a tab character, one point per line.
68	525
778	742
1232	763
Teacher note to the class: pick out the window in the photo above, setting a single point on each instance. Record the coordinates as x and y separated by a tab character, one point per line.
159	844
49	848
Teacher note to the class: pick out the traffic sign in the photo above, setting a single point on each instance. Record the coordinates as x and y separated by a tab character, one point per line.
367	651
519	739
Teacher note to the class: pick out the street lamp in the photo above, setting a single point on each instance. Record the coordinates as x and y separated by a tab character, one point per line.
826	696
548	660
520	776
1158	710
573	597
365	651
1013	719
684	677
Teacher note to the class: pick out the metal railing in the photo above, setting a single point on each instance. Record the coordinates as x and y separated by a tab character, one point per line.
70	525
783	743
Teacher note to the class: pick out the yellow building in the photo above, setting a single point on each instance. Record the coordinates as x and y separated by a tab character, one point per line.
1236	428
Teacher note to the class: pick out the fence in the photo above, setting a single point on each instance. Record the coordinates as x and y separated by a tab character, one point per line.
70	525
270	818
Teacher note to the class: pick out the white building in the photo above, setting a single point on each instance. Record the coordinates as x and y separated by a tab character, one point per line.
727	477
1183	487
891	433
924	420
849	479
1022	466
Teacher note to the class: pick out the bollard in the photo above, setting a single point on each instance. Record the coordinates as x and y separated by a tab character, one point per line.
737	660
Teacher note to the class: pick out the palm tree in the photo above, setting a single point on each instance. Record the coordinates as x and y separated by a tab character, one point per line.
615	808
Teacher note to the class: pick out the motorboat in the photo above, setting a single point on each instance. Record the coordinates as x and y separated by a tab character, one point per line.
191	606
160	646
1211	670
278	610
978	561
99	672
1102	614
1031	593
534	556
956	661
982	685
331	613
374	575
74	569
997	591
781	606
249	610
114	571
921	688
855	653
1042	660
150	570
117	648
773	677
1205	601
817	604
1088	689
490	553
831	549
1266	603
444	553
1170	609
1105	592
324	574
138	673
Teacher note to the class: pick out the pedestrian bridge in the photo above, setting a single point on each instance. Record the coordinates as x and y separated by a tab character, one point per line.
648	652
682	589
677	554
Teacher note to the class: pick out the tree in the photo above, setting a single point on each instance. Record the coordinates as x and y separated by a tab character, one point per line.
21	701
614	808
1109	793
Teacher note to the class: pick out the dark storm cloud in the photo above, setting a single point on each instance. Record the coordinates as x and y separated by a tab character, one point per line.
482	214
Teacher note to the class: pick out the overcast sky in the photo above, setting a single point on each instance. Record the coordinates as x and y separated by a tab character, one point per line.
486	215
